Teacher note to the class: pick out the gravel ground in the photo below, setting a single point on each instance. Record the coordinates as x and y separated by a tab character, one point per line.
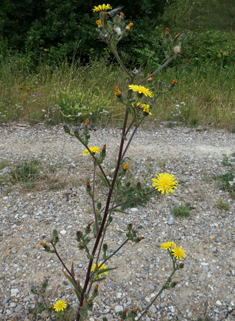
207	235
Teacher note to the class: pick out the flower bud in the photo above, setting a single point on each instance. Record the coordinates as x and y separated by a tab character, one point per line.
150	78
121	16
86	122
43	244
105	246
99	23
125	167
129	26
167	32
177	36
79	235
66	129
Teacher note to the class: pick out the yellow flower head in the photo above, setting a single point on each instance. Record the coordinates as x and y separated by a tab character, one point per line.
93	149
165	183
146	109
125	167
102	7
129	26
178	252
60	305
167	245
141	90
99	23
95	268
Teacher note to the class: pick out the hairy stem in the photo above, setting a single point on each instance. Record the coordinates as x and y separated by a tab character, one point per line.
105	214
162	66
156	296
132	135
134	199
93	201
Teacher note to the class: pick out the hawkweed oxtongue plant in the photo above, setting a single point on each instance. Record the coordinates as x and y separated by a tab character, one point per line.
138	100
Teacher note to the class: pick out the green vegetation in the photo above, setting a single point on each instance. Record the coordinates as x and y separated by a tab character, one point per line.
53	69
26	173
182	210
223	205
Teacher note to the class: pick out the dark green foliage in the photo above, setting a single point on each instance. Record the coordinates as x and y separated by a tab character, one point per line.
50	30
182	210
128	193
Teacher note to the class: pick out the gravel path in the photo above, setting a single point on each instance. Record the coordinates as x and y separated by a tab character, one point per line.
207	235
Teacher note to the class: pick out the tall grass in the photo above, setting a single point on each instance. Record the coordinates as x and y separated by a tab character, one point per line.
72	93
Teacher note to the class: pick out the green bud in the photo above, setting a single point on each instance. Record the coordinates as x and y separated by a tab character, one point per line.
66	129
88	229
129	227
79	236
99	206
105	246
138	186
181	265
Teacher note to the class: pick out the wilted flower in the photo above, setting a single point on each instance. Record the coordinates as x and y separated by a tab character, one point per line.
99	23
177	50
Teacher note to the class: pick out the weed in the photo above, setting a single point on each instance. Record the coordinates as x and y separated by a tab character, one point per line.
3	164
223	205
129	192
182	210
27	173
225	161
162	163
171	124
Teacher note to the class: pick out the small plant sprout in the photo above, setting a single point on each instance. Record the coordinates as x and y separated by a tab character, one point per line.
92	239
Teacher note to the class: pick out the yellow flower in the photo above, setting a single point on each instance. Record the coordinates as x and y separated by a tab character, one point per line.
93	149
101	7
141	90
43	244
146	109
178	252
165	182
95	267
167	245
125	167
60	305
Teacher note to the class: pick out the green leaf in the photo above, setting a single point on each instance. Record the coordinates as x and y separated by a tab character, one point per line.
74	285
103	271
104	180
115	210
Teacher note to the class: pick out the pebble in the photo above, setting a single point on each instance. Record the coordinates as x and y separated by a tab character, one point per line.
118	308
207	235
7	299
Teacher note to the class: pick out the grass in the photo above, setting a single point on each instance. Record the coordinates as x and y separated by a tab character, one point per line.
72	93
223	205
3	164
182	210
33	174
